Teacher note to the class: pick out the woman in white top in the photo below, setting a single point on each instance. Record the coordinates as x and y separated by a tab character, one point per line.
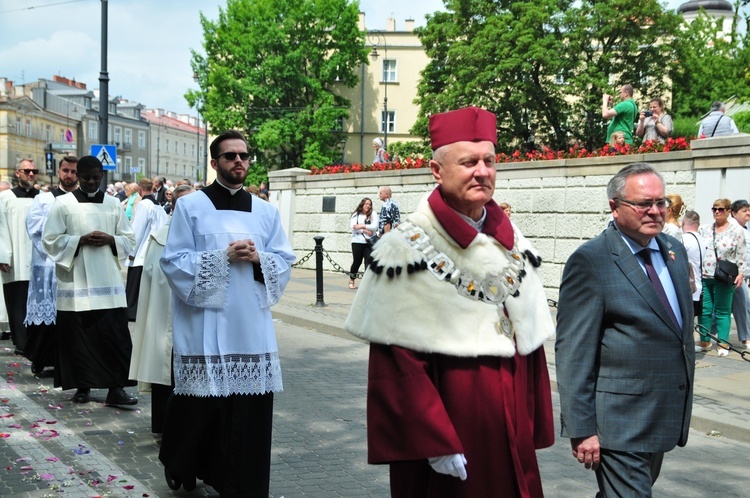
381	156
364	223
724	241
675	211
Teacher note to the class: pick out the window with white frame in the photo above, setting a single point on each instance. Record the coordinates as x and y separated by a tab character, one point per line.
167	145
93	130
389	71
184	170
128	164
167	166
28	127
118	134
128	136
184	148
48	133
142	164
391	121
141	139
176	146
19	126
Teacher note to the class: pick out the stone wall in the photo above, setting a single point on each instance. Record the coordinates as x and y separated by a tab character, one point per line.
557	204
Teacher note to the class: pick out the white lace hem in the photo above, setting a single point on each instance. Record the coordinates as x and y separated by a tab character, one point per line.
211	280
227	374
41	312
271	278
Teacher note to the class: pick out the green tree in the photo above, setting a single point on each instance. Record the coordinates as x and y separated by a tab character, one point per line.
612	43
712	66
543	66
270	67
502	56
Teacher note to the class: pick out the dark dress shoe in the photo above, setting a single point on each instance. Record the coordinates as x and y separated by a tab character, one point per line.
118	396
82	396
5	336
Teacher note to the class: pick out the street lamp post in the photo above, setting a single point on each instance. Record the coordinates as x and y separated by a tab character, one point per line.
377	38
199	107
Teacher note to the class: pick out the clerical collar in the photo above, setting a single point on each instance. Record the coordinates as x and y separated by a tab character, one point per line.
60	191
231	190
96	198
21	192
495	222
224	198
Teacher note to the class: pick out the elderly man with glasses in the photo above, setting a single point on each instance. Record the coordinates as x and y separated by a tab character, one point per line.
15	248
624	352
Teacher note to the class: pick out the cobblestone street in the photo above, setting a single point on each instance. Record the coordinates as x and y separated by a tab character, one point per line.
52	447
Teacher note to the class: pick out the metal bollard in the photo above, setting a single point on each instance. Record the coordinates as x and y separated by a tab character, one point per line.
319	270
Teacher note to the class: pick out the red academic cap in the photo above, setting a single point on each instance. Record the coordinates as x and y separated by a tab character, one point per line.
470	124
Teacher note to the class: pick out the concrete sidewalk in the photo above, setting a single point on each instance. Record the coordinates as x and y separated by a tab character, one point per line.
721	404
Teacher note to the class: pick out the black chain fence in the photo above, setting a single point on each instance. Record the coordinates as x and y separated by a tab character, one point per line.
337	268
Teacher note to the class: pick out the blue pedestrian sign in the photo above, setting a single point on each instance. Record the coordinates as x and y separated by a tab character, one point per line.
107	154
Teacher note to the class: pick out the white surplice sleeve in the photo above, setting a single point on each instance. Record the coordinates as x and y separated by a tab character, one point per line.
197	277
6	250
58	244
276	260
36	218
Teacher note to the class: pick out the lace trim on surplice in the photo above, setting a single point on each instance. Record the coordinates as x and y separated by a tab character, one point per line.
116	290
225	375
211	280
272	292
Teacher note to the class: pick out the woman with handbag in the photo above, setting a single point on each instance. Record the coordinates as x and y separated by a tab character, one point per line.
723	270
364	223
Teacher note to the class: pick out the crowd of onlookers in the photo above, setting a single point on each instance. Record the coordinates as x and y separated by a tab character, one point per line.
655	124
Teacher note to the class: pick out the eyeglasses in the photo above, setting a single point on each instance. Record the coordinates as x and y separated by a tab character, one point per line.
718	210
662	203
29	171
230	156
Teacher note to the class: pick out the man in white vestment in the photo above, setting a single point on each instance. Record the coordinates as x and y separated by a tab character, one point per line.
151	361
148	217
227	260
41	311
15	248
89	237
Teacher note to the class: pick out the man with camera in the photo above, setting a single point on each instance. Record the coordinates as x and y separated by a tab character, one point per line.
622	115
655	124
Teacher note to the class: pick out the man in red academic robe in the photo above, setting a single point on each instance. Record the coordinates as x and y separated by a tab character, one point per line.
455	311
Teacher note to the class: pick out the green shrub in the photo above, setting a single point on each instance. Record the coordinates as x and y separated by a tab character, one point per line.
413	150
686	127
742	120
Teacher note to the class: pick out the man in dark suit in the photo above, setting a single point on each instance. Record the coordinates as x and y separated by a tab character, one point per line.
625	350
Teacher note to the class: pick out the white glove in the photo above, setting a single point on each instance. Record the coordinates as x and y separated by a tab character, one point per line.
453	465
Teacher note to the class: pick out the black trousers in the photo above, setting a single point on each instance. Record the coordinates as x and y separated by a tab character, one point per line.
223	441
16	294
132	289
360	252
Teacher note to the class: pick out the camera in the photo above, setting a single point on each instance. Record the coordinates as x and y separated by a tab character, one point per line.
648	113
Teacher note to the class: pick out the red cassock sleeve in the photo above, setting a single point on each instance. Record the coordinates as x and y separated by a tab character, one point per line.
406	418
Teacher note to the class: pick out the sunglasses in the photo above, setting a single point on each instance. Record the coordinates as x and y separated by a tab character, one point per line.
29	171
230	156
718	210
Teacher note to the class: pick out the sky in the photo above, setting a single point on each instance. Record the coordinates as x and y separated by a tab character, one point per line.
149	42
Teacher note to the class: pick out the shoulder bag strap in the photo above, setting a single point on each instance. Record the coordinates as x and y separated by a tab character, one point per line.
717	125
700	253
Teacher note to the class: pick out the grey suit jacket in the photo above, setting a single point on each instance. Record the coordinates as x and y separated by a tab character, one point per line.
624	368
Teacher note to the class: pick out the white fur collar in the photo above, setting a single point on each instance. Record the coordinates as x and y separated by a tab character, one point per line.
407	306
